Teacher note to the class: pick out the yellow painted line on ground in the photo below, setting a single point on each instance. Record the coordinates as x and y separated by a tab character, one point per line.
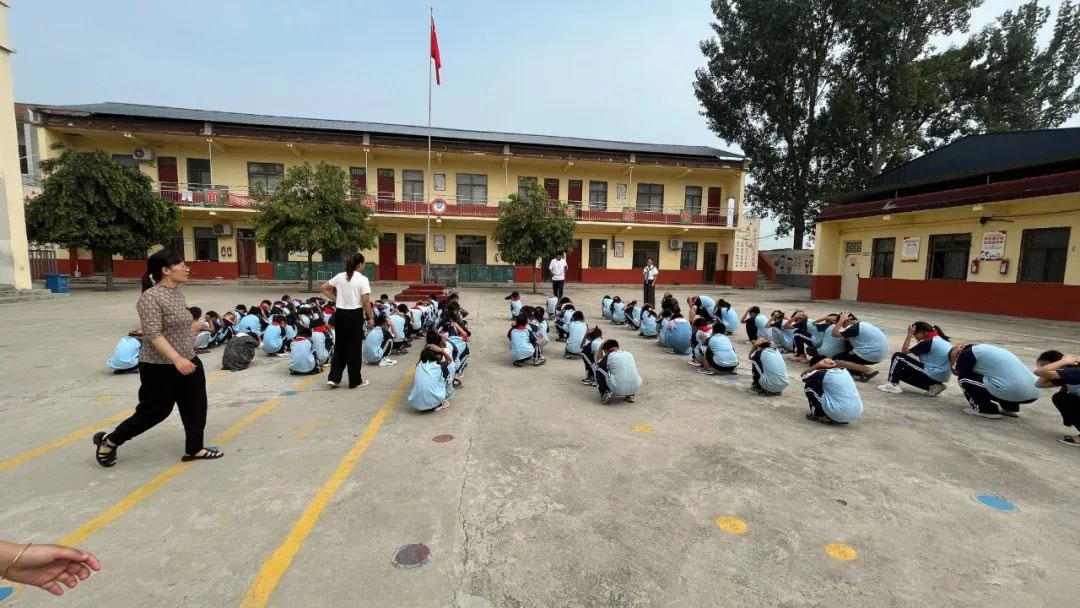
128	502
66	439
304	431
275	566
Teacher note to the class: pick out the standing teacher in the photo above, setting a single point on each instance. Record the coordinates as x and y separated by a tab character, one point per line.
352	300
649	276
558	274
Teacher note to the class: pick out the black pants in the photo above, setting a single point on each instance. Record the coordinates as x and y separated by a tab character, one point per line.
751	328
713	366
587	357
755	366
161	387
905	368
803	344
348	351
601	377
650	293
557	288
981	399
813	386
1069	406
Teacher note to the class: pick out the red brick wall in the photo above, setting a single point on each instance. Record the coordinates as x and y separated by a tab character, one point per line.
825	287
410	273
1037	300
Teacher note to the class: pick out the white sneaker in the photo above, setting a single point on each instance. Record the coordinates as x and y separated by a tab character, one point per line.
332	384
889	387
935	389
974	412
706	372
386	362
694	363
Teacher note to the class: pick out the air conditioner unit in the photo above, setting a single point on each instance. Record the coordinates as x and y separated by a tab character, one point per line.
675	244
223	229
143	154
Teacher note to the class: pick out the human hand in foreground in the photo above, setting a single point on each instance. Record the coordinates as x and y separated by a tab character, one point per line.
50	567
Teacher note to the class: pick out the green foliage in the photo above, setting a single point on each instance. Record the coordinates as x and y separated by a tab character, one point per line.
533	228
311	210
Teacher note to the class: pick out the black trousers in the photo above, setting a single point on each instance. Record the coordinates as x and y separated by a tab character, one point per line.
348	350
755	365
813	386
981	399
650	293
803	343
905	368
751	328
557	288
161	387
714	366
1069	406
587	357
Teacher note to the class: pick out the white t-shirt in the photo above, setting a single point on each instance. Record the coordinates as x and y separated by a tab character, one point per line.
558	269
650	273
349	292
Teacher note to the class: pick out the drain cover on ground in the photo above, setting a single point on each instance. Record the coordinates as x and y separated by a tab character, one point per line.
411	556
442	438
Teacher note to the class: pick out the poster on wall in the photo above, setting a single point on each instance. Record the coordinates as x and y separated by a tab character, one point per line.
909	251
620	192
620	248
993	245
440	242
440	182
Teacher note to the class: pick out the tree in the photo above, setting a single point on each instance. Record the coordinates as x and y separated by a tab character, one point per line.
311	210
90	201
533	228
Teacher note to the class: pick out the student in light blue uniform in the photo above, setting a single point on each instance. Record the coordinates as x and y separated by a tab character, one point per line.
701	306
539	326
925	364
780	334
551	306
292	326
302	354
590	346
576	331
522	342
679	331
1061	372
727	314
755	323
868	346
663	324
433	380
720	355
515	303
125	358
416	319
768	368
321	343
562	321
605	306
377	343
633	315
250	324
457	344
831	393
648	322
273	342
618	311
616	373
698	339
397	331
993	380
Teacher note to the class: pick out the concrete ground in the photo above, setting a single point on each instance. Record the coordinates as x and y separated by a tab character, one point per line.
696	495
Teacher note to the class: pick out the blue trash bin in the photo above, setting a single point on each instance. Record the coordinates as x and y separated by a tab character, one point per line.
57	283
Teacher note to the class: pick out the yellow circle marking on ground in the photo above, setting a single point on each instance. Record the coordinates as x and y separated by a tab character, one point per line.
732	525
841	552
642	428
103	398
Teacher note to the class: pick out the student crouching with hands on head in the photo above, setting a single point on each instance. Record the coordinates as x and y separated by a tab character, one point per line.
831	393
1057	370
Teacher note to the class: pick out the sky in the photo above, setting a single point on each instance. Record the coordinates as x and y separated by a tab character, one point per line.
604	69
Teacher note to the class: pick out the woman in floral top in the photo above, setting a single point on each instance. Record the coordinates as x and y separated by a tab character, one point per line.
169	371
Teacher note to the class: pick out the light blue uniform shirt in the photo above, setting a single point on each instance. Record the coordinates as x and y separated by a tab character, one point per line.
272	339
936	361
552	302
429	387
416	318
301	356
318	345
761	321
665	331
249	324
126	354
774	377
618	314
648	324
397	323
462	346
1003	374
870	343
707	304
515	307
730	319
623	378
373	351
830	345
636	315
605	308
576	331
594	346
567	315
781	338
817	334
841	400
520	347
679	337
723	353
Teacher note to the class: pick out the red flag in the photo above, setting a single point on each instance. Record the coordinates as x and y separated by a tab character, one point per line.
435	52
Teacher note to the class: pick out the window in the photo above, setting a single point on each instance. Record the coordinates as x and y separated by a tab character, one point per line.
1042	255
198	173
650	197
471	189
688	259
414	248
126	160
948	256
882	263
358	177
24	161
597	196
471	249
597	253
412	185
267	175
644	251
693	200
523	186
206	249
176	243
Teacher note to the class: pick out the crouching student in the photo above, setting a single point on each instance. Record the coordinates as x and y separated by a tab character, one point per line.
562	321
605	306
397	329
125	357
616	373
633	314
648	323
378	342
779	332
515	303
768	368
273	343
590	346
728	315
458	339
322	343
679	332
200	330
1057	370
831	393
239	352
994	381
416	319
302	359
522	342
701	306
225	329
251	322
868	346
805	336
551	307
755	323
539	327
700	335
924	365
720	355
433	381
575	335
618	311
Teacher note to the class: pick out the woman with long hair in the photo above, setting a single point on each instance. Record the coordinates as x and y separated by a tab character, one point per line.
923	360
169	371
351	294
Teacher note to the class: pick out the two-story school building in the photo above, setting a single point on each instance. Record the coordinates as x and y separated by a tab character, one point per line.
989	223
680	205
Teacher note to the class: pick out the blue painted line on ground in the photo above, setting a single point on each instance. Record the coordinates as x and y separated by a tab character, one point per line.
288	393
996	502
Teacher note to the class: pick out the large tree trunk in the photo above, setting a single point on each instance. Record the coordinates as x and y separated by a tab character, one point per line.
798	226
310	273
108	272
534	277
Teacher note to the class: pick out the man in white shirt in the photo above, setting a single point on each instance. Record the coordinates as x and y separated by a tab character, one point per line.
558	274
649	276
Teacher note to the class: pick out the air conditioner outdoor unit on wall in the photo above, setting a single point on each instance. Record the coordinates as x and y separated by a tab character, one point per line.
143	154
223	229
675	244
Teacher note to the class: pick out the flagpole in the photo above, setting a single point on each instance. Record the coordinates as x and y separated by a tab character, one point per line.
429	179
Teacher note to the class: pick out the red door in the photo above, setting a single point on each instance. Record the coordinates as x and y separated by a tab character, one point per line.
167	177
551	186
573	263
715	196
573	193
245	252
386	185
388	255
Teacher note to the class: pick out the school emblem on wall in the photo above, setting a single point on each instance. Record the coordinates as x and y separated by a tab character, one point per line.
684	217
369	202
628	214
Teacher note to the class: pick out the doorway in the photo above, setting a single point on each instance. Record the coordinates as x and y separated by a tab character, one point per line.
388	256
849	286
573	263
385	185
168	179
715	201
245	252
708	263
551	186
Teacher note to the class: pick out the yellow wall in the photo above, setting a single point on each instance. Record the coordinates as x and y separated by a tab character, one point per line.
1044	212
14	252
